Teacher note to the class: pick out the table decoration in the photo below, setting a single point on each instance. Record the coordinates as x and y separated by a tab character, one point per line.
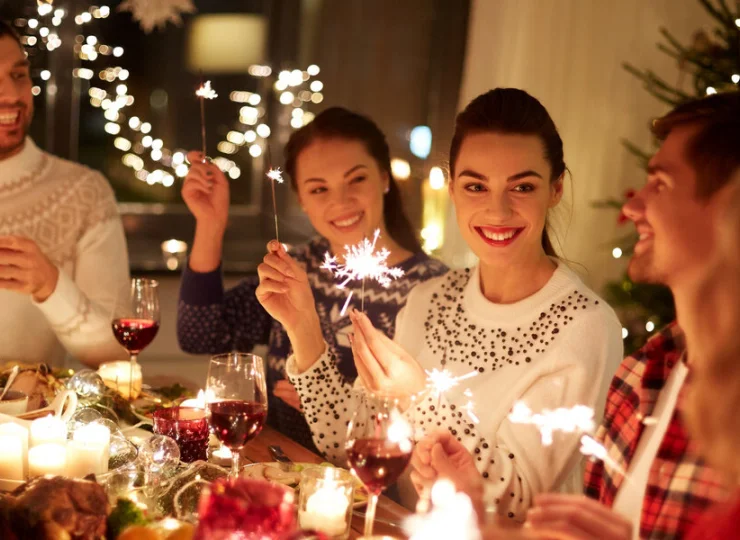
48	429
11	435
89	450
122	376
325	501
246	509
188	426
47	458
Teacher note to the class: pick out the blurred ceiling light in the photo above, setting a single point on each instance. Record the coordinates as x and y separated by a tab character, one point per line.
226	43
436	178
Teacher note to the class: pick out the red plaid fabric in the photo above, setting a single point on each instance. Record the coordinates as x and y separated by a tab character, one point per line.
680	486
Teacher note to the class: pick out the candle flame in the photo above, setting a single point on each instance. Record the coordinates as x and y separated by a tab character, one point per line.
205	91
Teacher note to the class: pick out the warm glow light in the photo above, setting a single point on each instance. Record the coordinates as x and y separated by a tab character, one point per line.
711	90
263	130
117	51
650	326
616	253
255	150
45	75
736	78
400	168
112	128
181	170
146	127
286	98
436	178
122	144
313	70
250	136
625	333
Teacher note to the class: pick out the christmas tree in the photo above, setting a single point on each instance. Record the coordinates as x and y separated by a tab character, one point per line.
712	64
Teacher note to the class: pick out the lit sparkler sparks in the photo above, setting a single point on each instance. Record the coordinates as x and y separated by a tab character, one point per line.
362	262
204	92
579	418
469	407
275	175
590	447
441	381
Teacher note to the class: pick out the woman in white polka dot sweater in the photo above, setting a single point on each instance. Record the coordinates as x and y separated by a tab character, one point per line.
525	322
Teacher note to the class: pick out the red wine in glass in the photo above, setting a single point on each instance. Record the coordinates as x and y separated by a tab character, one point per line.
378	463
235	422
135	334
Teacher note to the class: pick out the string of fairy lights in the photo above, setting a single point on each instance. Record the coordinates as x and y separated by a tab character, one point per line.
146	154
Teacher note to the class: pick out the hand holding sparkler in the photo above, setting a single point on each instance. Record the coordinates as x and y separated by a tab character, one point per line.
275	175
383	365
441	455
285	293
204	92
206	193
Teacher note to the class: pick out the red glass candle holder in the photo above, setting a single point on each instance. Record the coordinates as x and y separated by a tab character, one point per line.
246	509
188	426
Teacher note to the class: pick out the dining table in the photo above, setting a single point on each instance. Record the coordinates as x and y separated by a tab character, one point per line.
389	514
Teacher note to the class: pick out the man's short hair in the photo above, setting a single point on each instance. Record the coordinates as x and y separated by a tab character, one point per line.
6	29
714	151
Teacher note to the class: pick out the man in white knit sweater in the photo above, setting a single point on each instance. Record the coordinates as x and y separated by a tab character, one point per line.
63	258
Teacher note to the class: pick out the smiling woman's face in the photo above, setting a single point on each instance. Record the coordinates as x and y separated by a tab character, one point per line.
340	187
502	193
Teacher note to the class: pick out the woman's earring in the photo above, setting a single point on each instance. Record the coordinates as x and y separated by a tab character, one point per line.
387	189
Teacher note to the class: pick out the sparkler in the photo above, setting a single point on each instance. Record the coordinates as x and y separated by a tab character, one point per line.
204	92
579	418
362	262
275	175
452	516
442	381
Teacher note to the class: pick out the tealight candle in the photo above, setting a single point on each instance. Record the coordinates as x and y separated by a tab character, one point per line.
48	429
88	451
325	501
119	376
49	458
20	433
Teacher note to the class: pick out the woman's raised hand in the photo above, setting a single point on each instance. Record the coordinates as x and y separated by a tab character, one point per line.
285	293
206	192
382	364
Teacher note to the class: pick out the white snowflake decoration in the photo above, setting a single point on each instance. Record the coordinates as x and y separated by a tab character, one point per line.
157	13
362	262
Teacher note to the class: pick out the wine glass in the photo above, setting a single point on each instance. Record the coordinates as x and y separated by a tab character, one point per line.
136	320
379	446
236	391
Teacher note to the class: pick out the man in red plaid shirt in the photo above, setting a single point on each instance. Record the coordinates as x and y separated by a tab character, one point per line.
667	485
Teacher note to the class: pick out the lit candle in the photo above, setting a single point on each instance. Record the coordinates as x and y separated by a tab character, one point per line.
117	375
19	433
198	402
326	508
47	458
88	451
11	457
48	429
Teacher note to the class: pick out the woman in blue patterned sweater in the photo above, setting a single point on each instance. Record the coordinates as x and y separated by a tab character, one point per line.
339	165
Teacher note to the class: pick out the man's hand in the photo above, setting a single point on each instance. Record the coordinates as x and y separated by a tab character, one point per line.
575	517
25	269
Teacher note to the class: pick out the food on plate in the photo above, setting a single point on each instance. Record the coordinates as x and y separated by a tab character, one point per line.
54	508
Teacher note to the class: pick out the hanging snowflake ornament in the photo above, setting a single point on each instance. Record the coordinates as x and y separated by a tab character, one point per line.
362	262
157	13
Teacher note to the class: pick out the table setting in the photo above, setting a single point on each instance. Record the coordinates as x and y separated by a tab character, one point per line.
101	454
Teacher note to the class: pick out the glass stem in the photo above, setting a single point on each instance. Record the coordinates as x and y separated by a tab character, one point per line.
235	456
372	504
132	363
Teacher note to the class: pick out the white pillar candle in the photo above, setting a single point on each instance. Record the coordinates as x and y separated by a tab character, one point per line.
47	458
48	430
16	431
88	451
11	457
326	510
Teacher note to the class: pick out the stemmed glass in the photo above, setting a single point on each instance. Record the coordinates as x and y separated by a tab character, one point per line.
136	320
236	391
379	446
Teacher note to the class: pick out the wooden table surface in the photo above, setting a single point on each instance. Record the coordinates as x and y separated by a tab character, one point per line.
256	451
